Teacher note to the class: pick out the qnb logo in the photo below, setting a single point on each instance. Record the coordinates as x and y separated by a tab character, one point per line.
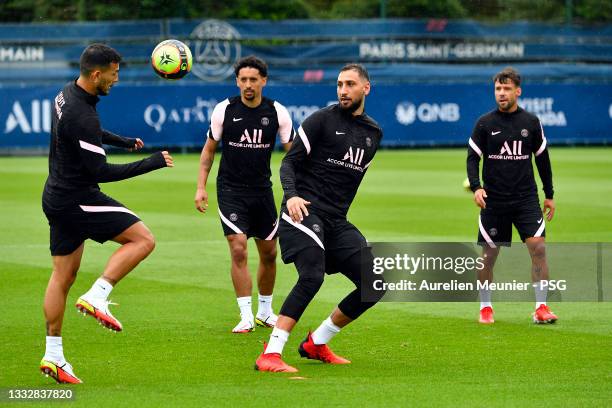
507	152
256	138
356	157
38	120
407	113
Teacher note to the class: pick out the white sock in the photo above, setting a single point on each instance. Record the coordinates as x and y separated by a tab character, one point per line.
244	303
278	338
485	298
100	289
265	306
54	350
541	292
325	332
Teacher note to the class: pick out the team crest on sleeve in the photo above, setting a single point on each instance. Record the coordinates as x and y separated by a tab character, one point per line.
524	133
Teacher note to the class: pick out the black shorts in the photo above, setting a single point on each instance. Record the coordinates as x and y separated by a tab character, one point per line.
495	222
337	237
94	216
253	215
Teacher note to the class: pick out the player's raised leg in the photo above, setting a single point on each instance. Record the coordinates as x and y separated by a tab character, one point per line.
53	363
349	309
266	276
137	242
539	275
310	265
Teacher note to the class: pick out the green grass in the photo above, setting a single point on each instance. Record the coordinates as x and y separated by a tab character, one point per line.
178	306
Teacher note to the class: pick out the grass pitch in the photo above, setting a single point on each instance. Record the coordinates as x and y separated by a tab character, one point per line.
178	306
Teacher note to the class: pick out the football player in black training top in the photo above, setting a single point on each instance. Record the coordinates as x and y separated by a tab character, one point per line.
78	210
247	125
320	176
506	139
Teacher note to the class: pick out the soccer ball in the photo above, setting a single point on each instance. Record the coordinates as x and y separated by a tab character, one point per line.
171	59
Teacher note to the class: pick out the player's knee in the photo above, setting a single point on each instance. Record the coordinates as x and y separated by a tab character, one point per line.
64	278
269	256
538	250
147	243
239	254
310	284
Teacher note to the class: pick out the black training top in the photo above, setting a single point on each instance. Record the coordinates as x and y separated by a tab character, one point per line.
77	161
329	159
249	137
506	142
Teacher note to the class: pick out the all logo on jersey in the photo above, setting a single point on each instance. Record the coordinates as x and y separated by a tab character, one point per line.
352	159
512	151
251	140
256	138
517	147
355	157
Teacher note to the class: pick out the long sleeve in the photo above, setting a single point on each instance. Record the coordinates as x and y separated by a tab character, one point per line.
542	160
290	162
109	138
308	134
475	147
93	156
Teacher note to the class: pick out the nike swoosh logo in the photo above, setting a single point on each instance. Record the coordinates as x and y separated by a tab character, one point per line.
340	133
102	287
495	133
236	119
540	220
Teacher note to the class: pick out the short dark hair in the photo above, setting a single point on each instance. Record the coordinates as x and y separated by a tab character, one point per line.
361	70
251	61
507	74
98	56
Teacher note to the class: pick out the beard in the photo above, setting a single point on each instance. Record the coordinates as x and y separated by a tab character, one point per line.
508	105
352	107
101	89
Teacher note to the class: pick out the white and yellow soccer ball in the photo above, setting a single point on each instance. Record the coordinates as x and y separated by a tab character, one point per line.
171	59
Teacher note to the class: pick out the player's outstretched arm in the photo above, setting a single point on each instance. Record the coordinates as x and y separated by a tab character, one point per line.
88	141
112	139
207	157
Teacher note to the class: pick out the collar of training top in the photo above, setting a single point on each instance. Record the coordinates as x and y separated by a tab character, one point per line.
83	94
